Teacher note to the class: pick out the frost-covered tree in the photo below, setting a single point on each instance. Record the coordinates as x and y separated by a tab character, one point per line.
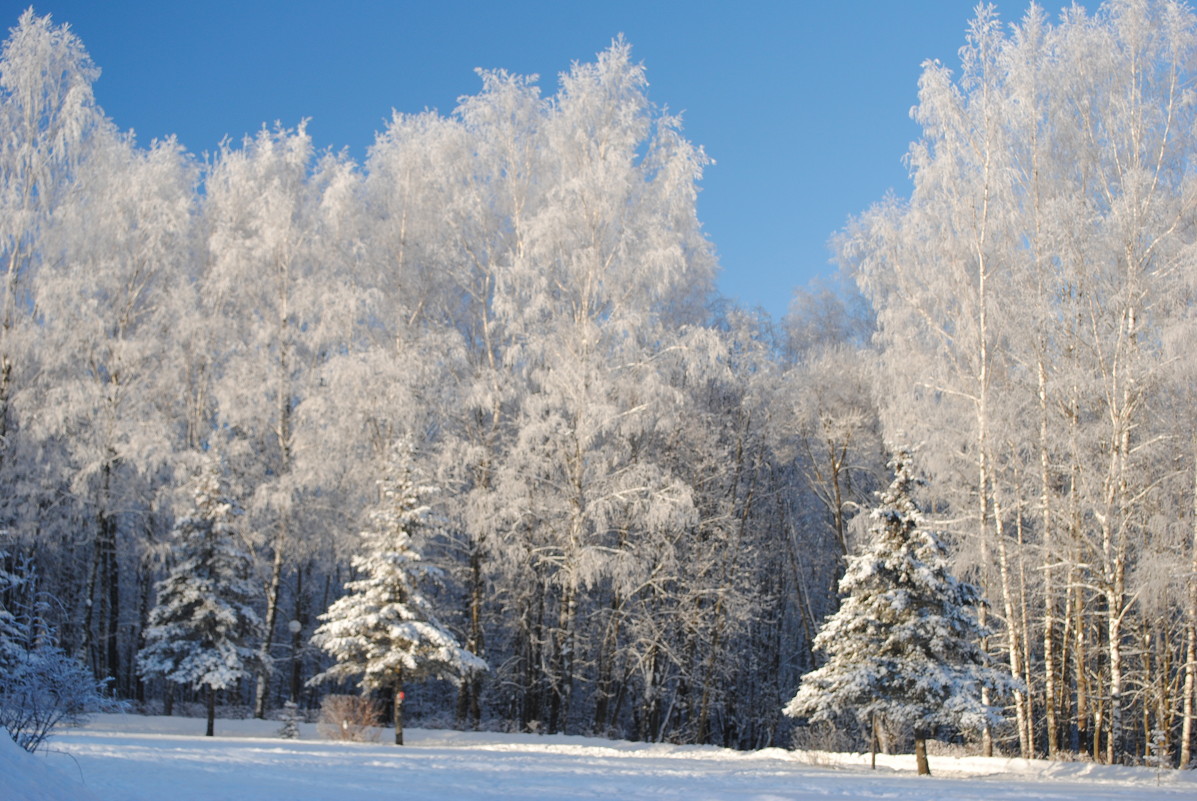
47	114
905	643
384	630
10	630
203	630
273	284
122	244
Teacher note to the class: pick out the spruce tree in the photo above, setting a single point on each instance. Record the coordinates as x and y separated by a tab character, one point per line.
904	645
384	630
204	629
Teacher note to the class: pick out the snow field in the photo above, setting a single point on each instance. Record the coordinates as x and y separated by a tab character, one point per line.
132	758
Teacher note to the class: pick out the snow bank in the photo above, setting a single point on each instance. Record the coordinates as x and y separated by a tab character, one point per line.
26	777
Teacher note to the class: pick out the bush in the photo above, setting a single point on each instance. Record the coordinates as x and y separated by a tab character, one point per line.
41	686
46	688
350	717
824	737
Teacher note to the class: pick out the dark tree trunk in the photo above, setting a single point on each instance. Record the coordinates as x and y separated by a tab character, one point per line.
399	709
920	755
211	712
873	741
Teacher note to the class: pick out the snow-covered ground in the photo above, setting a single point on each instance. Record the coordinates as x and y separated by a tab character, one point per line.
133	758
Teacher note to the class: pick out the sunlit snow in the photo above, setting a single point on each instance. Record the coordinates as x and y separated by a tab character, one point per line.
133	758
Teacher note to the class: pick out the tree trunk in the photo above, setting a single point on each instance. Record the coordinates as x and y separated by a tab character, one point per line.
211	712
873	741
266	666
469	707
1013	636
1051	691
920	755
1190	685
297	637
399	708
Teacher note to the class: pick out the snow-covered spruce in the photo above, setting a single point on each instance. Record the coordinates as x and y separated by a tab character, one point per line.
11	632
203	629
905	645
384	629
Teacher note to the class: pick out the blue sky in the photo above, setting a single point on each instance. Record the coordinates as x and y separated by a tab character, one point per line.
803	105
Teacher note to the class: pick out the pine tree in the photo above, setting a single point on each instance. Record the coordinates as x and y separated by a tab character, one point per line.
203	630
905	644
384	629
12	634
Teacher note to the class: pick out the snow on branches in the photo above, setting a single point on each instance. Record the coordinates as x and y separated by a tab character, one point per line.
905	644
203	629
384	629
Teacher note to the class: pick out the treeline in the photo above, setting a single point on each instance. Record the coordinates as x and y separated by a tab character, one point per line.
645	493
519	290
1034	301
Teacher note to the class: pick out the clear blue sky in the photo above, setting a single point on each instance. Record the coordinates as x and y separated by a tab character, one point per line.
802	104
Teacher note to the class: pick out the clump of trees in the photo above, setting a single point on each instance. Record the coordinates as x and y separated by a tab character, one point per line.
634	472
1034	298
520	289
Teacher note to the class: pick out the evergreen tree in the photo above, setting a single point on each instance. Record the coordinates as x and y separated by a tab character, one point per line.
203	630
384	629
905	644
12	634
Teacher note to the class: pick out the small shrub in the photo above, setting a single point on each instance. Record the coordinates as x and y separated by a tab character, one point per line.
44	690
351	718
824	737
290	719
41	687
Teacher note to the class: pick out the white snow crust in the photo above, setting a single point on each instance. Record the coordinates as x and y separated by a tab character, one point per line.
28	777
134	758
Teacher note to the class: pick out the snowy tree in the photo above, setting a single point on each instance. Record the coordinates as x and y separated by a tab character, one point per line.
47	114
384	629
202	631
905	643
122	240
10	629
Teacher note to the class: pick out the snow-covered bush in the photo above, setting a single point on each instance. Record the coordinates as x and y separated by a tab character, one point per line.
350	717
48	688
41	686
